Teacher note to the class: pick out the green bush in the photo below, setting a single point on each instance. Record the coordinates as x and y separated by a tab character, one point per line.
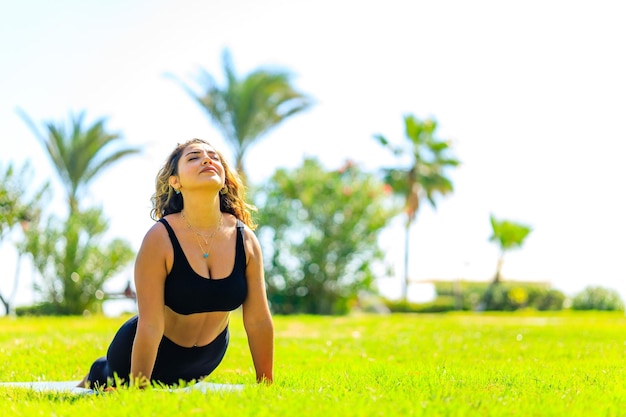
598	298
471	296
319	230
399	306
41	309
504	296
438	305
549	300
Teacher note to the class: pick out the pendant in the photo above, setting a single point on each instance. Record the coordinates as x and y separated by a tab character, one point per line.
206	255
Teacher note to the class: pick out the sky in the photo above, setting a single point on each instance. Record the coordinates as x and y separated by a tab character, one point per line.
531	95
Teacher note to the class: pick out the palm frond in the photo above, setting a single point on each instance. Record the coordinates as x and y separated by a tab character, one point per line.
246	109
78	152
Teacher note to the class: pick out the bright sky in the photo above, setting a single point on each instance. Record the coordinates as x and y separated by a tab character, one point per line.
532	95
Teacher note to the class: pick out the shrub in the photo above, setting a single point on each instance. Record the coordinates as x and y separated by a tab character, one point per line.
597	298
503	296
42	309
549	300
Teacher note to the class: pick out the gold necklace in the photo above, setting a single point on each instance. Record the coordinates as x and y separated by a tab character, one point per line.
205	254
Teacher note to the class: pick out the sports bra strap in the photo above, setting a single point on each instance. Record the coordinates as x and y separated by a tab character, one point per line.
239	252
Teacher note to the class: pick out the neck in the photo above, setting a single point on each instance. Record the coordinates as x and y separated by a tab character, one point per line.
202	220
202	213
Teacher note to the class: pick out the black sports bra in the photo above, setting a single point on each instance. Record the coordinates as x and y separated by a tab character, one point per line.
187	292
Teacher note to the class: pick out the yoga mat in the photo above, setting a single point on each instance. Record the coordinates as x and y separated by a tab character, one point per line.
50	386
70	387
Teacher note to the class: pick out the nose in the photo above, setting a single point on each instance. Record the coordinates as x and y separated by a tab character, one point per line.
207	161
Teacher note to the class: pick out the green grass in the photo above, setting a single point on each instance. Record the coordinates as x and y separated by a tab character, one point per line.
522	364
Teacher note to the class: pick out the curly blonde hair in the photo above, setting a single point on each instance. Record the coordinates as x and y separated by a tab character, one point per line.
165	201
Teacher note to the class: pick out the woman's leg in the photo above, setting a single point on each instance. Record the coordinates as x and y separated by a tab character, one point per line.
117	361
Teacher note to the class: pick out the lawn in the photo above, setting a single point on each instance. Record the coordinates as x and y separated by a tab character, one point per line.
461	364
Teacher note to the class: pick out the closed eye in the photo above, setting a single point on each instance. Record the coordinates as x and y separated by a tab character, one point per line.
193	155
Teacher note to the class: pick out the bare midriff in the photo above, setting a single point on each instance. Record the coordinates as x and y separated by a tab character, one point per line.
197	329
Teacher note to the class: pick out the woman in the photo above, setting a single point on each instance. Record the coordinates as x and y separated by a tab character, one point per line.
197	263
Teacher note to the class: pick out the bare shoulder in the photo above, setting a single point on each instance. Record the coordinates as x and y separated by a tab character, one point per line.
251	243
155	256
156	238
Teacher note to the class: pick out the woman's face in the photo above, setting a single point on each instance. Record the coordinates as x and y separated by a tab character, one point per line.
199	166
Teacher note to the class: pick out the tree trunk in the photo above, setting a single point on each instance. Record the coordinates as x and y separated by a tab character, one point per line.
10	305
5	303
487	301
498	277
405	287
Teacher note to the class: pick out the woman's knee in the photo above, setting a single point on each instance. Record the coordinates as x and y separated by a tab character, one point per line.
98	375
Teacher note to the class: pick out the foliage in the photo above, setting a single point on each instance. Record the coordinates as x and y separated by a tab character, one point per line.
598	298
424	177
508	235
440	304
73	262
320	230
457	364
18	206
45	308
549	300
245	109
79	153
507	296
66	253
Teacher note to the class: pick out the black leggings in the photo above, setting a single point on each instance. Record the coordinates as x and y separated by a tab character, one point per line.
173	363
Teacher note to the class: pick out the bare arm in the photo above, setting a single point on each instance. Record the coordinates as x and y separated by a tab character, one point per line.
150	273
257	318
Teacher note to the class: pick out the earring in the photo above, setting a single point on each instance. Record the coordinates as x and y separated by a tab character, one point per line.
176	190
223	190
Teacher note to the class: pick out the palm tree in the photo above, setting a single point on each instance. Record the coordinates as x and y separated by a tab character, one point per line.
507	235
69	256
79	153
424	178
245	109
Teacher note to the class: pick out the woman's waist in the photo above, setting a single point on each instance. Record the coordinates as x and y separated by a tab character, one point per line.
194	330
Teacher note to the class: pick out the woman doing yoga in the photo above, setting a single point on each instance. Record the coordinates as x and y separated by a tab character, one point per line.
199	261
